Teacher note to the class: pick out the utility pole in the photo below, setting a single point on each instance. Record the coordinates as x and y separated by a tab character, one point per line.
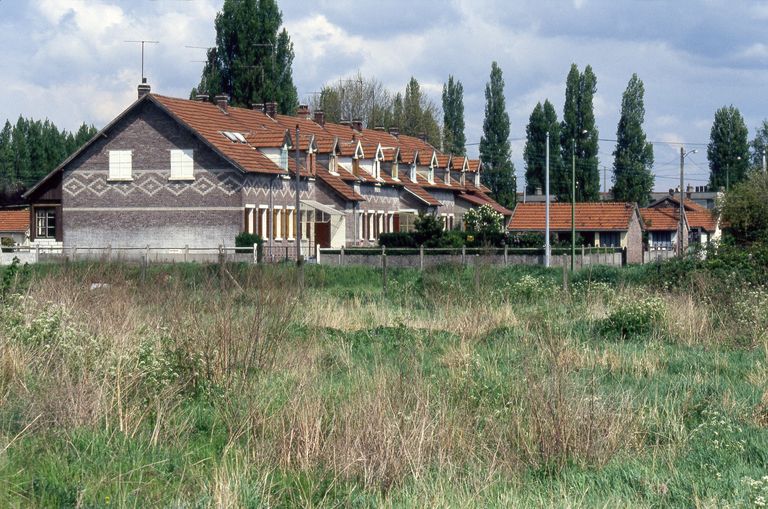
765	170
547	247
298	199
573	203
682	209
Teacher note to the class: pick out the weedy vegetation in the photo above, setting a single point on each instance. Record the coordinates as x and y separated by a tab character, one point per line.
181	386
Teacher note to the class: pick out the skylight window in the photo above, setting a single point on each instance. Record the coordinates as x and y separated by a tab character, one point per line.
234	137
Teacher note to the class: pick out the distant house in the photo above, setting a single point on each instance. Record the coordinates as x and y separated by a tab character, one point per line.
599	224
700	195
662	222
171	172
14	225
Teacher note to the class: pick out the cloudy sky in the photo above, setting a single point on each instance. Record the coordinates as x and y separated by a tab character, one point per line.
66	60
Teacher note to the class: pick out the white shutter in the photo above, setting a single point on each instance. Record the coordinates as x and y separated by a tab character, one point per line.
120	164
182	164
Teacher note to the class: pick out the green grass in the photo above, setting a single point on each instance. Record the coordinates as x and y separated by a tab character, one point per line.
426	410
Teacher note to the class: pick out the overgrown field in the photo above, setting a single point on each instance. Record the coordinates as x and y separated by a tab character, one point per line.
186	386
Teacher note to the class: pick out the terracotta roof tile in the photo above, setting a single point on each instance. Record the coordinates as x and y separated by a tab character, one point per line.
702	219
14	220
338	185
660	219
589	216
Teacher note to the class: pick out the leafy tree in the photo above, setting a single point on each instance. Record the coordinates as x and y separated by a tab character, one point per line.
543	119
633	157
252	59
498	171
454	140
759	145
579	136
419	115
22	160
356	98
745	210
728	149
7	170
428	230
484	219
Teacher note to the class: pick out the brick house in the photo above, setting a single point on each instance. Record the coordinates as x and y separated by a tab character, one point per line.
662	222
599	224
172	172
14	225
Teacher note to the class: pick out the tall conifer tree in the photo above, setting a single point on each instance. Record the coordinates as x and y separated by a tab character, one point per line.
252	59
543	119
633	157
454	140
728	149
579	135
495	152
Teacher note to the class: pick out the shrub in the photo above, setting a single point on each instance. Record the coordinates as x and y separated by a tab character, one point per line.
633	317
429	230
745	211
397	239
247	240
7	244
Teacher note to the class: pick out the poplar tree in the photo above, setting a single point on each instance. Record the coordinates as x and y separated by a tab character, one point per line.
252	61
633	157
498	171
579	136
759	145
543	119
454	140
728	149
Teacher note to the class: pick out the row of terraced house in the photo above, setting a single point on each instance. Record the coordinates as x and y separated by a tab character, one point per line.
171	172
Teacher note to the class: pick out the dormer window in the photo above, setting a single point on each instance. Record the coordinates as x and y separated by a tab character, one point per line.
284	157
431	175
395	171
448	176
333	164
413	172
376	169
477	179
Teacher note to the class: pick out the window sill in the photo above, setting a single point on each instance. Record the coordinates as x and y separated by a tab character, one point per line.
130	179
181	179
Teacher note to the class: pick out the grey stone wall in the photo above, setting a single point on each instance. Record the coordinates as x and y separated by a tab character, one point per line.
415	261
634	241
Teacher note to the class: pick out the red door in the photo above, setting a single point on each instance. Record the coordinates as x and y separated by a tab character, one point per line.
323	234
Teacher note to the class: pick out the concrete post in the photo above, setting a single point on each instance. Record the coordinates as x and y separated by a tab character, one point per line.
421	257
506	255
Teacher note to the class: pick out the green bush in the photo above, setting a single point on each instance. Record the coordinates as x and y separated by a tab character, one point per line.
634	317
246	241
7	244
429	230
397	239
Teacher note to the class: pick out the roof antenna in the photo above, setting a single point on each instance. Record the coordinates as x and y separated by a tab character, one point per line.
143	79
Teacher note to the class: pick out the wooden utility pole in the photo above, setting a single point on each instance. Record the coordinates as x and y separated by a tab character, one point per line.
682	209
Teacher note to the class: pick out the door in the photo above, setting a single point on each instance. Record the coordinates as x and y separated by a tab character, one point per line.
323	234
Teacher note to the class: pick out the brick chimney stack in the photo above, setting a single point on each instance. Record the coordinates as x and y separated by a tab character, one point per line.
357	124
222	101
320	117
271	109
303	111
201	98
258	107
144	88
394	131
423	137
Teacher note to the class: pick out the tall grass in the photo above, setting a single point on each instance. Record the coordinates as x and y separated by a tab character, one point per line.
197	386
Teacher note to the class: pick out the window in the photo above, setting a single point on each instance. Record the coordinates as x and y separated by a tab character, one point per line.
661	240
284	158
395	171
407	222
355	167
120	164
261	225
45	223
360	222
610	239
332	165
290	218
376	169
371	222
182	164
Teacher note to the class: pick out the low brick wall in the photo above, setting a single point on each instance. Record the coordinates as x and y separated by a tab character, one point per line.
432	260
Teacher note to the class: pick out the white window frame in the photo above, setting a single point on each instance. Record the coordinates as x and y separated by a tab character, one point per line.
182	164
371	219
395	171
291	226
284	157
264	218
277	223
120	165
360	231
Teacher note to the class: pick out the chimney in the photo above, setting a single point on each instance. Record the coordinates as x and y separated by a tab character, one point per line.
345	123
537	191
394	131
320	117
423	137
144	88
201	98
357	124
303	111
270	109
258	107
380	129
671	192
222	101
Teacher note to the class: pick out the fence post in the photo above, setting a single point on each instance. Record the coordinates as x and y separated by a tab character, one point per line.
37	253
581	265
421	257
341	256
384	269
317	253
565	273
74	253
255	253
506	255
109	253
464	255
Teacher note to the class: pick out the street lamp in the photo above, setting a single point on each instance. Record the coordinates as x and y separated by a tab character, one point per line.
573	199
683	155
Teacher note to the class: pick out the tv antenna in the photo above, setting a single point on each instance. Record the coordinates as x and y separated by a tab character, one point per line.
142	54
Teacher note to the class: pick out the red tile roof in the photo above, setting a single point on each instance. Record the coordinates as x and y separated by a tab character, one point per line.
14	220
589	216
702	219
338	185
660	219
675	201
